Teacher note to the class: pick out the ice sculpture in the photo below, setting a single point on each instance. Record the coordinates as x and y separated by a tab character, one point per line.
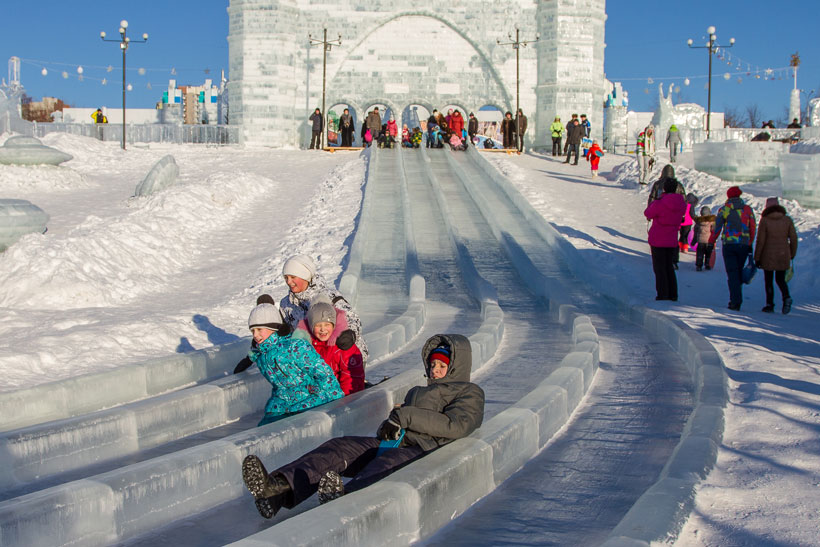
688	117
19	217
164	173
814	112
21	150
798	173
740	161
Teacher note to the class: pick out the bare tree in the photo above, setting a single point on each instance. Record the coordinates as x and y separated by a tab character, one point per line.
732	117
753	115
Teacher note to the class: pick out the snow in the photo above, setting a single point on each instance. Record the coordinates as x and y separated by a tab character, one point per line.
118	280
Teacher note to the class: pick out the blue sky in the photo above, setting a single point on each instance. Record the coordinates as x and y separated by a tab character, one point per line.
190	37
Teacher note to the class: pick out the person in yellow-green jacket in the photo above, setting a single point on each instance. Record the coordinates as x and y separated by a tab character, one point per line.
557	129
98	116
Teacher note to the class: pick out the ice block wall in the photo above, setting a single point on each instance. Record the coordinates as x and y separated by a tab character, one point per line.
798	173
571	62
407	52
740	161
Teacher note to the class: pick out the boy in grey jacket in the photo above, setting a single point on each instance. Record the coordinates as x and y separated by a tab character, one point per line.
449	407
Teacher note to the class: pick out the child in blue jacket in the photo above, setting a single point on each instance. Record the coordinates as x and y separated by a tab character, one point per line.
299	376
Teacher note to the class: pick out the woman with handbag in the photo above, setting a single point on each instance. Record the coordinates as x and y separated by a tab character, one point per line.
775	249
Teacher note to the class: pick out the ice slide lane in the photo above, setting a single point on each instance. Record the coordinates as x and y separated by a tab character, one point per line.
167	476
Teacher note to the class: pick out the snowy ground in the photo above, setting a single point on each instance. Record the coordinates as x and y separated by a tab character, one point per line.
119	279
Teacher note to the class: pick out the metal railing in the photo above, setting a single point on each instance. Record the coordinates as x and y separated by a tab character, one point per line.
145	133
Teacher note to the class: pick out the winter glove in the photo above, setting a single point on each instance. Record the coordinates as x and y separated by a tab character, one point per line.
345	340
388	431
242	365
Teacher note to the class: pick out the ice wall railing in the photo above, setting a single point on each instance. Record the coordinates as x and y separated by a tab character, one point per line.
153	132
694	136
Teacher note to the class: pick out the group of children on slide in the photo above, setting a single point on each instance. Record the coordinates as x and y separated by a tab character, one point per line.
311	349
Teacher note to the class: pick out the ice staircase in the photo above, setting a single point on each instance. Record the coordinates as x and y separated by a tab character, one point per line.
444	244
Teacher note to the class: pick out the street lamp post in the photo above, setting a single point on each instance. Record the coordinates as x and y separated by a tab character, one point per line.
517	44
327	45
124	42
711	46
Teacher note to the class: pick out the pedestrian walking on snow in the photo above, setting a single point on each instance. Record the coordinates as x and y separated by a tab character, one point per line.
666	215
775	249
736	222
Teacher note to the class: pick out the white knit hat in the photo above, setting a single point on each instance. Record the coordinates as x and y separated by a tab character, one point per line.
321	311
265	315
300	266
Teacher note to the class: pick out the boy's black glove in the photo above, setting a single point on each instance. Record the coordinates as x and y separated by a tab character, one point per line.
388	431
345	340
242	365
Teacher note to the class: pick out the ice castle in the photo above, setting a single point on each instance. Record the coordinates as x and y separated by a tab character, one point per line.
405	53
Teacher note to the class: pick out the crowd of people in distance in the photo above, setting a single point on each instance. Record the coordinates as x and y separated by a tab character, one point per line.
671	213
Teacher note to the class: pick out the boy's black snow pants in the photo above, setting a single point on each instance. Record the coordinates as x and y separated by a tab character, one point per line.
350	457
703	254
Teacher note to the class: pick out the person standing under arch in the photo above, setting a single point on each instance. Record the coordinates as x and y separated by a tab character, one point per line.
520	129
346	126
508	130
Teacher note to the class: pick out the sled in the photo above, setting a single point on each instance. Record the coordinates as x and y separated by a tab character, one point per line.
507	150
333	149
713	258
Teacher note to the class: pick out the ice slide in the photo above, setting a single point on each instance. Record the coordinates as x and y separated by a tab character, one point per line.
473	260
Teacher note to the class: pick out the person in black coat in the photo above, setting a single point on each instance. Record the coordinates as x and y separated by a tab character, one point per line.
449	407
472	128
318	122
508	130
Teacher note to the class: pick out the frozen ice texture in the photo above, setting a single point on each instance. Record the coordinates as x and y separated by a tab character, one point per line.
19	217
20	150
409	52
740	161
164	173
798	173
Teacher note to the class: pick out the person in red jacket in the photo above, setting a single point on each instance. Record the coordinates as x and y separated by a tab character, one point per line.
666	215
325	323
456	123
593	157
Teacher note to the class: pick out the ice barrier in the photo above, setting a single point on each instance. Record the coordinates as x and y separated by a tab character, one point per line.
91	392
164	173
798	173
20	150
19	217
414	502
740	161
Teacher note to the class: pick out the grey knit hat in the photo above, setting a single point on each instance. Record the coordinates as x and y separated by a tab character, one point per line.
267	316
321	311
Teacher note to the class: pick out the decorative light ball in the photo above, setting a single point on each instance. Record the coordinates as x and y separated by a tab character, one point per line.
141	72
686	81
124	23
677	89
130	87
710	30
104	81
109	69
44	72
727	76
65	74
79	70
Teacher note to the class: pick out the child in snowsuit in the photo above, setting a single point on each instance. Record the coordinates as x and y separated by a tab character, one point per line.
416	138
305	283
593	157
300	379
436	139
688	222
704	226
405	137
325	323
456	143
449	407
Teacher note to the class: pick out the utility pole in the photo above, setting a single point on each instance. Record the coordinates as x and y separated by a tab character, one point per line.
517	44
327	45
124	42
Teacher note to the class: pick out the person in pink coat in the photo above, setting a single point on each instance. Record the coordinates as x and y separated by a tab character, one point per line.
392	127
666	215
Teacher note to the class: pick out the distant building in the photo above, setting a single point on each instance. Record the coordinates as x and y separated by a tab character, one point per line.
40	111
191	104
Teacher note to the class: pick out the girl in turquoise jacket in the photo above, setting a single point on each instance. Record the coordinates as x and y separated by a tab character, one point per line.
299	376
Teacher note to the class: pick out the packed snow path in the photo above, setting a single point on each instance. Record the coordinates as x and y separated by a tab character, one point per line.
509	254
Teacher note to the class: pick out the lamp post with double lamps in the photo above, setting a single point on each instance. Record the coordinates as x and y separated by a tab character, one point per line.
711	46
327	45
517	44
124	42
